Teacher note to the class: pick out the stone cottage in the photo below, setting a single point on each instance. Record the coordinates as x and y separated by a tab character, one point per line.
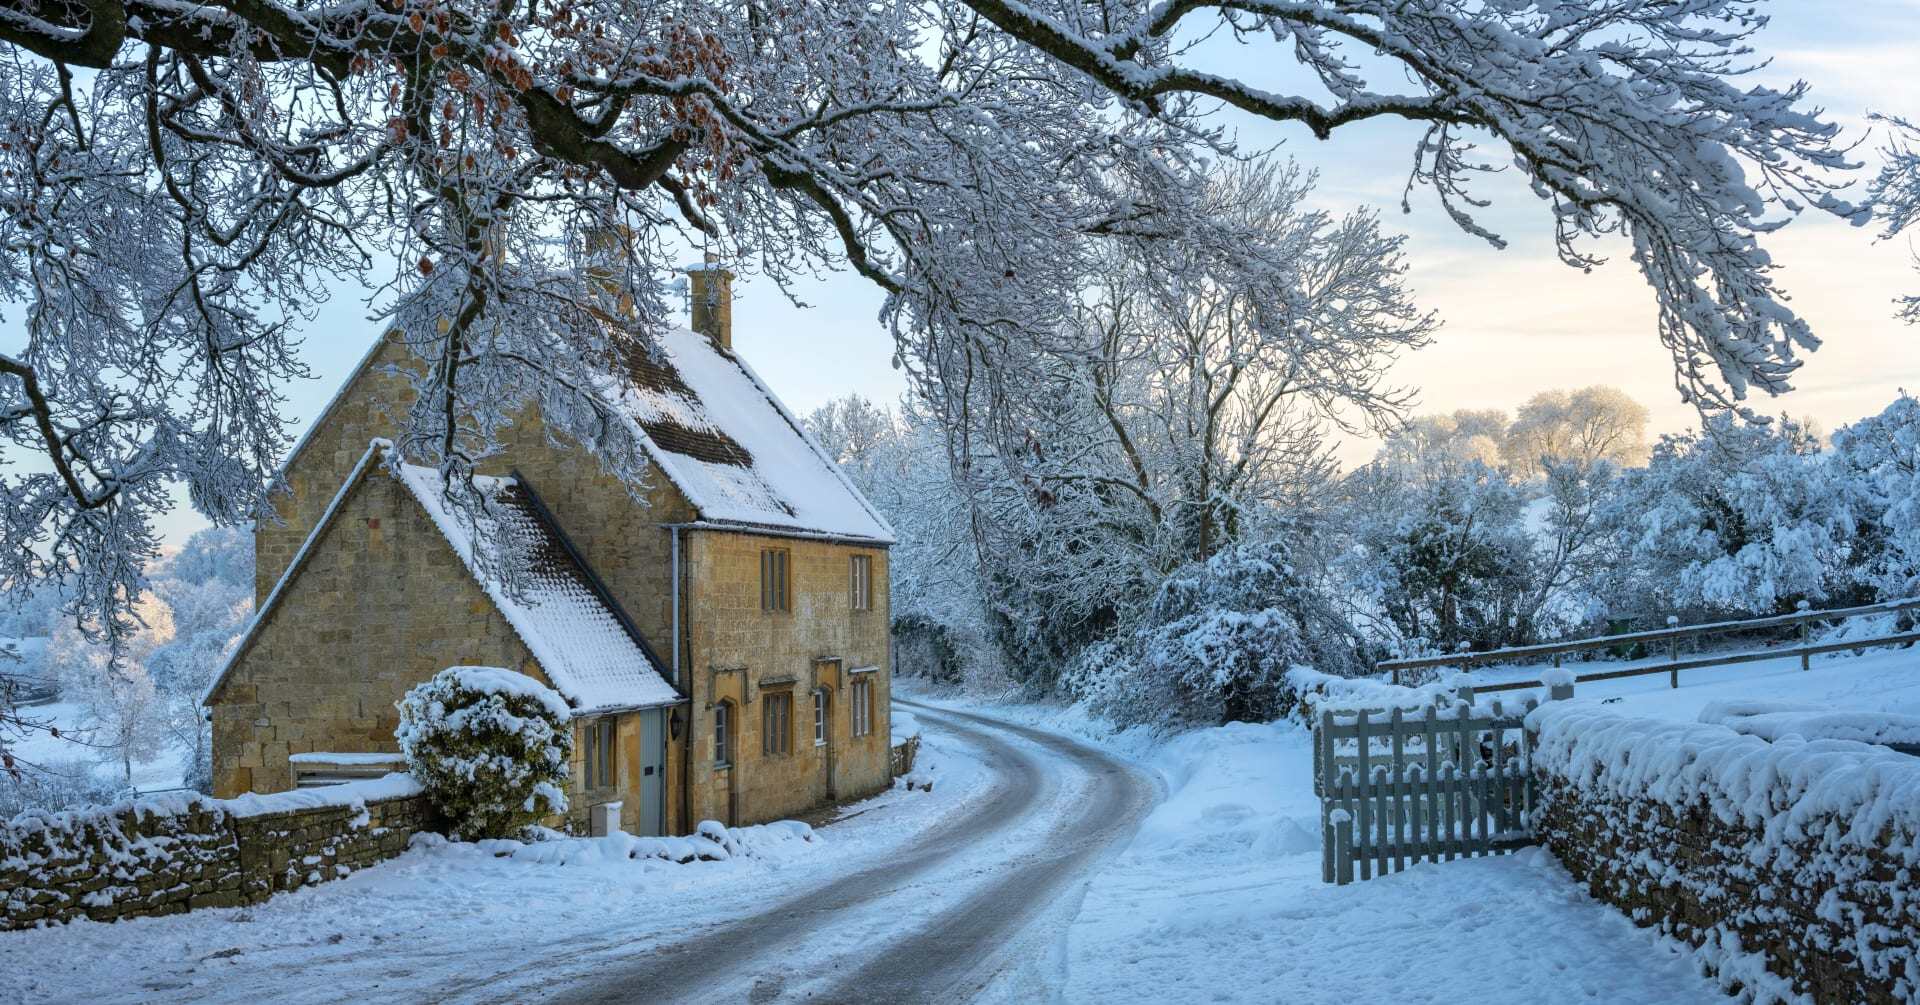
723	642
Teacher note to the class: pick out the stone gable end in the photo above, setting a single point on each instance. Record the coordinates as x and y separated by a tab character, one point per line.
381	603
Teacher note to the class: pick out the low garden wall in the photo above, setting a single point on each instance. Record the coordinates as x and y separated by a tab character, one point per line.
167	854
1788	864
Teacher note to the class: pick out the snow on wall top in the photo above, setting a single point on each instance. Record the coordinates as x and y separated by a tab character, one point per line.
1774	720
726	442
1790	789
54	823
578	640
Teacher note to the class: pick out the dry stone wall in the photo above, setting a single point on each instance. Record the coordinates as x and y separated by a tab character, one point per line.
168	855
1790	866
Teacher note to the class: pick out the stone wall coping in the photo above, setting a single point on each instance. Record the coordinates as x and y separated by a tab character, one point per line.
1788	788
350	795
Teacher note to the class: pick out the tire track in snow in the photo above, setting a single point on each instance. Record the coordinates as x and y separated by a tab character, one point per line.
828	936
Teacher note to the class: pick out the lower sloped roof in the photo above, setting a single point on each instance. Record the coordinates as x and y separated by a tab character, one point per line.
581	643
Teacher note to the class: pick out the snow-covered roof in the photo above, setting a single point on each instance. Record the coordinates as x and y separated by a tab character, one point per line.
736	453
580	642
578	639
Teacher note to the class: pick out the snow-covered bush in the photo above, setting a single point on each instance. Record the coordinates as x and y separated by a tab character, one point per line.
57	786
1738	521
1217	642
1880	456
490	747
1441	555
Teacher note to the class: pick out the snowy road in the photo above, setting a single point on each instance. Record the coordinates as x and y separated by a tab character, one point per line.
956	915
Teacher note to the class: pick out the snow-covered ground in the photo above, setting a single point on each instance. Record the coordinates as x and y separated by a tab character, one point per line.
444	921
1219	898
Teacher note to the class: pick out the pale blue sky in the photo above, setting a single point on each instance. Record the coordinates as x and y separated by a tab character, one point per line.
1516	321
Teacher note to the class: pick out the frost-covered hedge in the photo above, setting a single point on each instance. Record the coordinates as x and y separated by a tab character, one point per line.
1216	643
490	746
1789	863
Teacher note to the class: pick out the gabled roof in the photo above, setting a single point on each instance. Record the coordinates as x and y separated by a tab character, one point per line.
733	449
720	436
581	642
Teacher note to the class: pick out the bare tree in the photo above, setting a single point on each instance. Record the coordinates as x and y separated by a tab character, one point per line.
1579	427
1895	191
1195	395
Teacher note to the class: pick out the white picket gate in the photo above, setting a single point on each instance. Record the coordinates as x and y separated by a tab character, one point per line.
1431	785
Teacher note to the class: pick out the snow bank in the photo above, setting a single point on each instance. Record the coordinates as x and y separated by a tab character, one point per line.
712	841
904	725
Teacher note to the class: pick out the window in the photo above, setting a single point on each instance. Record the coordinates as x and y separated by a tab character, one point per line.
776	725
775	587
862	707
820	717
860	577
723	733
599	754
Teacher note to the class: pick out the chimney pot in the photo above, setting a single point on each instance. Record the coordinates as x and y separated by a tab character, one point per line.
712	294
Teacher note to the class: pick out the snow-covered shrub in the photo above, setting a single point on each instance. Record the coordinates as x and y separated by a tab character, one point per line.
1217	642
1441	555
490	746
1880	457
1738	521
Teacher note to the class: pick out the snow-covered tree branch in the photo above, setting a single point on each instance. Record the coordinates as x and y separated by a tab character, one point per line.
181	186
1626	117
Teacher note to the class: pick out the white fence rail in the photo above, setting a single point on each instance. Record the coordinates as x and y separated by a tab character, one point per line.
1399	787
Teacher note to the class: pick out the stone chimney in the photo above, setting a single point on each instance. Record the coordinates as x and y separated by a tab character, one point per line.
712	295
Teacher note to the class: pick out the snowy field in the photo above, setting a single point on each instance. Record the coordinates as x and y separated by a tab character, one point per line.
72	750
1219	897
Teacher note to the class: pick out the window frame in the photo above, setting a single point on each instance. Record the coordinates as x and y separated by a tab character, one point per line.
723	734
776	580
601	762
860	709
860	582
820	727
776	723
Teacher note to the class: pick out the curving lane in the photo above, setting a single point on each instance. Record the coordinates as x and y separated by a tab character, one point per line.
971	910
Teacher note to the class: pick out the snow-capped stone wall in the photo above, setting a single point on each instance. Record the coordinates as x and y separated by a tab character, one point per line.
172	853
1789	864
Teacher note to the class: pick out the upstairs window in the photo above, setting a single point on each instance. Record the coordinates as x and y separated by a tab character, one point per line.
776	593
776	724
860	582
723	734
820	717
601	734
